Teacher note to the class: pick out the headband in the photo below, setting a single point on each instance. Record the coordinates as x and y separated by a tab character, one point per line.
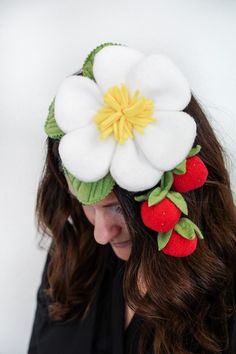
122	122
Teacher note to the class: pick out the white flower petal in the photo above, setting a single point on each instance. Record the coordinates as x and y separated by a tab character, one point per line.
85	155
76	102
131	170
168	141
112	63
158	78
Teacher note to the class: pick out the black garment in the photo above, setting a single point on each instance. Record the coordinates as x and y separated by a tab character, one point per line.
102	331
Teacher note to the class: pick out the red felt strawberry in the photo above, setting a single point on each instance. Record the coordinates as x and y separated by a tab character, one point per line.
179	246
194	177
160	217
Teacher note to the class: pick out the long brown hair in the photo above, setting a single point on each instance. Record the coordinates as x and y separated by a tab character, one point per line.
188	300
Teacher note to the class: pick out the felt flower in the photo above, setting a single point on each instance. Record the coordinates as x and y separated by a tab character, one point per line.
129	121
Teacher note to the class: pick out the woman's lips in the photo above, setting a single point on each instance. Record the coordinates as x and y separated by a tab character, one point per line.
121	244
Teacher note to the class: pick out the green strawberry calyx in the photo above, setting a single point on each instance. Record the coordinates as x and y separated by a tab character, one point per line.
185	228
157	194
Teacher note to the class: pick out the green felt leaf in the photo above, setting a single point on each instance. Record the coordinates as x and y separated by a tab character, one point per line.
88	63
50	127
185	228
75	183
149	192
163	238
91	192
179	201
156	196
194	151
197	230
140	198
167	180
180	169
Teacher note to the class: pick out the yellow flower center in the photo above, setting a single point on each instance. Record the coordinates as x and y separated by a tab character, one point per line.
121	113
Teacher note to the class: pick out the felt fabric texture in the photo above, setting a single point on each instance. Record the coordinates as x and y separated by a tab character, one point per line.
87	69
84	155
163	144
160	217
179	201
194	177
186	228
76	101
51	127
167	142
165	83
128	161
112	64
179	246
123	113
90	193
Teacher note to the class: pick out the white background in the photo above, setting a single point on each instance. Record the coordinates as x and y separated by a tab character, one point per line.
44	41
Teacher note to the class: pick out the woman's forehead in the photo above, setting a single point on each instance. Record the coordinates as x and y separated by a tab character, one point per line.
108	200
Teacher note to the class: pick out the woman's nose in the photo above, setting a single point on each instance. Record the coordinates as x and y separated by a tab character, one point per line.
105	230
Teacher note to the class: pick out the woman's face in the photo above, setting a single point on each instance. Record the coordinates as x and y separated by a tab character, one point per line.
109	224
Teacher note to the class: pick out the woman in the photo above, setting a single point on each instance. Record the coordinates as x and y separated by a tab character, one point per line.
117	279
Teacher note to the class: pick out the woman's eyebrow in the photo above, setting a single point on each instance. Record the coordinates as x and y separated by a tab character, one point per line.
111	205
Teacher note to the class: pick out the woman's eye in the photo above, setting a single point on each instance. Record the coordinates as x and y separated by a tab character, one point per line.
118	209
